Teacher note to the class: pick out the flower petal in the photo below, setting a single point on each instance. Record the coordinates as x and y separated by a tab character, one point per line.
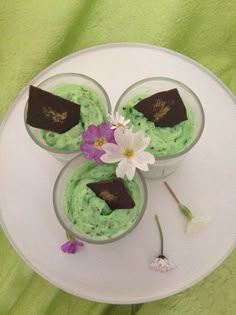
87	137
112	154
125	167
107	132
64	247
124	139
196	225
110	136
94	131
79	244
110	118
112	149
140	142
88	150
104	128
121	168
141	160
126	122
72	248
130	170
97	157
161	264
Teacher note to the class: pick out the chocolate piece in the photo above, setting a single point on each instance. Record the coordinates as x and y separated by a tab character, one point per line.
51	112
114	193
164	109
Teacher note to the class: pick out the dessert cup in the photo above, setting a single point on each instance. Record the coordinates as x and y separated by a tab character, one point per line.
53	85
165	165
66	200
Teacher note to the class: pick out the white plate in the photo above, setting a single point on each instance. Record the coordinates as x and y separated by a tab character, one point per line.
206	182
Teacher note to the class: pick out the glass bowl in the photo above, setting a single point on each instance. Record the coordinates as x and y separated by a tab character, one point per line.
166	165
59	207
53	83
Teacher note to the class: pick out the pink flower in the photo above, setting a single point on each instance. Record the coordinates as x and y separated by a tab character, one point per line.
71	247
161	264
93	140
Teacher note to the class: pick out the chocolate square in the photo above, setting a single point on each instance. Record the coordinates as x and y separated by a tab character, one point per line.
114	193
164	109
51	112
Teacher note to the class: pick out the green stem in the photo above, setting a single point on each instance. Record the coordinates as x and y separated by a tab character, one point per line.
69	236
172	193
135	308
185	211
161	234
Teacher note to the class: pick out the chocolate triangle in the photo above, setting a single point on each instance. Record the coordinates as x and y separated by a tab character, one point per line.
164	109
114	193
51	112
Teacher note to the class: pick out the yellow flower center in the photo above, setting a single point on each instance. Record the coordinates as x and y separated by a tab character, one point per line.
119	125
128	153
99	142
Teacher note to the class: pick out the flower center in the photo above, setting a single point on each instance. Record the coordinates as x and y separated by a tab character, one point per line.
119	125
128	153
99	142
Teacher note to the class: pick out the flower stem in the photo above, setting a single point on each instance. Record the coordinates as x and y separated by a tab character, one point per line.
69	236
160	231
185	211
172	193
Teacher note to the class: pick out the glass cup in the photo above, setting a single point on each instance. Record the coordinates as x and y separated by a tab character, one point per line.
63	79
166	165
58	201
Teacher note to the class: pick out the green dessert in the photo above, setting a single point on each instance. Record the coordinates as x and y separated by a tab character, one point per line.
90	214
165	141
91	112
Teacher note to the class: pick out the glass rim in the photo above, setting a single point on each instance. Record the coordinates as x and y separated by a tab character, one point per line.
198	136
67	74
83	237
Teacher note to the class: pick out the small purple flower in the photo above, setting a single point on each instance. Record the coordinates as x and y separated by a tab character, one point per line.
93	140
71	247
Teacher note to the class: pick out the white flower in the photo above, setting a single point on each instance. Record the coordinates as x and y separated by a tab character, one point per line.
117	121
129	152
196	224
161	264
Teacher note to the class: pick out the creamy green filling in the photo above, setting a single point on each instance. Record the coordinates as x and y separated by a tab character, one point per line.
165	141
91	111
84	209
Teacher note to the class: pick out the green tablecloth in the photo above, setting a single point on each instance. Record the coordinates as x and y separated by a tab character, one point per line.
33	34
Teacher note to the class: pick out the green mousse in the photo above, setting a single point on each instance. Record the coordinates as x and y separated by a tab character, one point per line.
89	214
165	141
92	112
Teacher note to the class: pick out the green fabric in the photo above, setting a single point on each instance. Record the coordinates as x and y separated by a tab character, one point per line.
33	34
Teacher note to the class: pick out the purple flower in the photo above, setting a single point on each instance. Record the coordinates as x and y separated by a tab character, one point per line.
93	140
71	247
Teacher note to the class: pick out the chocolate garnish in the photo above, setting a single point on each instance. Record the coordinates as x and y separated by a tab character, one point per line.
114	193
164	109
51	112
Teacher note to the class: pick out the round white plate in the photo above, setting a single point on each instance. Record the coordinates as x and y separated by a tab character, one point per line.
206	181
